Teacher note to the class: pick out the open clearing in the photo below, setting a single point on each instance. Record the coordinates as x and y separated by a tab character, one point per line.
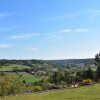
83	93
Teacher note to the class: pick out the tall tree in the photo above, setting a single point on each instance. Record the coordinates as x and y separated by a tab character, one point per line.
98	73
97	59
89	74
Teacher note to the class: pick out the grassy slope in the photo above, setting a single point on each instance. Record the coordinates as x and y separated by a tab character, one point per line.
25	76
84	93
30	79
11	67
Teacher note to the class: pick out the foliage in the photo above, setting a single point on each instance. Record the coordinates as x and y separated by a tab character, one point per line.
84	93
98	73
56	77
37	88
89	74
36	75
87	82
97	59
47	86
9	85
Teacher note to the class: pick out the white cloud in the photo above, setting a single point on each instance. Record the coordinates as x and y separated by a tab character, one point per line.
60	35
32	49
94	13
72	30
66	30
89	12
81	30
54	37
5	46
24	36
21	36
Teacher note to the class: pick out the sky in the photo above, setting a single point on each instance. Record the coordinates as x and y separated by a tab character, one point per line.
49	29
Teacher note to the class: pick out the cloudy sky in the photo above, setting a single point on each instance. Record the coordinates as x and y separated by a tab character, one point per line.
49	29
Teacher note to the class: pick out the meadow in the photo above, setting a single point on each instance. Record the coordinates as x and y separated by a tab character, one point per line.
24	76
83	93
29	79
19	75
11	67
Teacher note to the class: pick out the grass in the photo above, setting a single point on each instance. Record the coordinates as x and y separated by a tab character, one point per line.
10	67
84	93
19	75
24	76
29	79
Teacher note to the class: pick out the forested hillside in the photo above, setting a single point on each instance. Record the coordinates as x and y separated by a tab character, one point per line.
57	62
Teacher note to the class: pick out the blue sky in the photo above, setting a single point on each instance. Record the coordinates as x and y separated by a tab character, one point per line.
49	29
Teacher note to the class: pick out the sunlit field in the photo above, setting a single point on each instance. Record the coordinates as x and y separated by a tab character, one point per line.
83	93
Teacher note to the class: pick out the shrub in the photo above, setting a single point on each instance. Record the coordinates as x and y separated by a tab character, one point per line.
9	85
37	88
87	82
29	89
62	83
47	86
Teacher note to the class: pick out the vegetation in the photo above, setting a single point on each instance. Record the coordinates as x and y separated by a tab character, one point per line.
9	85
83	93
87	82
37	75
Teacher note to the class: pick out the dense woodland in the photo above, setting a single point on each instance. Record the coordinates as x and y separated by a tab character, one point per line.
51	74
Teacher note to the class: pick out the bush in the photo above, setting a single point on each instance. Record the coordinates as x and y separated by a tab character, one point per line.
29	89
9	85
47	86
87	82
62	83
37	88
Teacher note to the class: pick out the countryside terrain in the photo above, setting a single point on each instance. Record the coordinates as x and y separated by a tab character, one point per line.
49	50
50	79
83	93
35	70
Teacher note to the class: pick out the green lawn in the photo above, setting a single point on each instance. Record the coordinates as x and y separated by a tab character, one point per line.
83	93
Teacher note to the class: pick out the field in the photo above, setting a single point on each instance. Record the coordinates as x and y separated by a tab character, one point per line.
19	75
11	67
83	93
24	76
30	79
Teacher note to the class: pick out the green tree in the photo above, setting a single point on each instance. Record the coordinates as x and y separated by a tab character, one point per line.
97	59
98	73
56	77
89	74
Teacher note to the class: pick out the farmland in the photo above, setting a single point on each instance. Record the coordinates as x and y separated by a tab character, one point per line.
14	70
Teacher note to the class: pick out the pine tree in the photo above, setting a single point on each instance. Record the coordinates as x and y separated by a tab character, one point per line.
97	59
89	74
98	73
